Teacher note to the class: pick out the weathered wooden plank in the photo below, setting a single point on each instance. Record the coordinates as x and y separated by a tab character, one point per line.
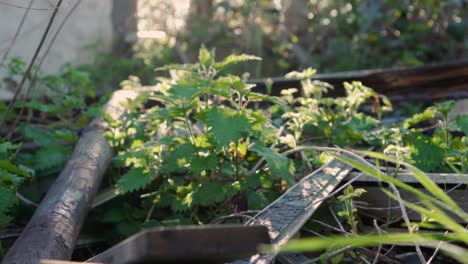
285	216
187	244
53	261
376	203
52	231
426	83
439	178
292	258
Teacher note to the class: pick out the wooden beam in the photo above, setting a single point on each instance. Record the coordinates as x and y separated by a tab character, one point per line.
285	216
439	178
52	231
375	203
187	244
426	83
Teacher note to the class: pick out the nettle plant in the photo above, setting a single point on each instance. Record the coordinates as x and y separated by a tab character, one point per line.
331	121
11	177
200	150
430	140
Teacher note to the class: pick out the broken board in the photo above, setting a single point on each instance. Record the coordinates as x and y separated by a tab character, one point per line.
285	216
187	244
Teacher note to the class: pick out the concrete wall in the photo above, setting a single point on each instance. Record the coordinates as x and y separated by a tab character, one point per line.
92	23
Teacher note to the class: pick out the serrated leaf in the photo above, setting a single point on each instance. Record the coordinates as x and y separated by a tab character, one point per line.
199	164
7	198
226	125
178	67
8	166
53	156
114	215
205	57
234	59
445	107
4	221
135	179
67	135
361	122
128	228
178	158
9	179
305	74
429	113
425	154
209	193
7	146
462	123
278	164
256	200
39	137
46	108
272	99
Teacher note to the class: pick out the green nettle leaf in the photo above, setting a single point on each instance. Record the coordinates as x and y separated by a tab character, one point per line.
8	166
425	154
205	57
209	193
7	198
46	108
199	164
226	125
114	215
361	122
234	59
429	113
304	75
129	228
278	164
445	107
135	179
11	180
256	200
54	156
7	146
4	221
39	137
177	159
462	123
184	92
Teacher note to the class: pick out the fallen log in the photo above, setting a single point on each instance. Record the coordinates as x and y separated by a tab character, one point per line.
426	83
53	230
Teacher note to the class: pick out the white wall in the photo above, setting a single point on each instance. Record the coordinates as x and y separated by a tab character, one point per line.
90	23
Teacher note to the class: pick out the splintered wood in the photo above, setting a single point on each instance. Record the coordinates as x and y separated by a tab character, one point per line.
285	216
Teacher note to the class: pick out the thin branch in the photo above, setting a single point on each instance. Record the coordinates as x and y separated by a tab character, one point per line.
28	7
377	255
243	214
436	250
150	212
336	218
31	83
19	87
407	221
331	227
26	200
18	30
